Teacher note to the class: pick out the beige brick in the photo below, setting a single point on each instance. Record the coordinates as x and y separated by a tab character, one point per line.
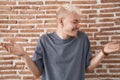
6	35
5	7
83	7
30	3
22	26
84	2
100	6
31	12
56	2
8	21
9	58
21	17
89	11
20	7
45	16
8	12
7	72
16	39
29	21
110	1
10	77
27	35
117	14
28	78
101	71
102	25
110	10
8	31
89	30
32	31
88	21
47	26
50	12
110	29
24	72
91	76
114	71
112	66
3	26
7	2
48	7
6	63
3	16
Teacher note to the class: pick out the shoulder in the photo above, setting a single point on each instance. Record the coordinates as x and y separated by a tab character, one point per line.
82	34
45	37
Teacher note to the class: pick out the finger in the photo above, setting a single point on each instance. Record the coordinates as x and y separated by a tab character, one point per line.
6	46
9	49
12	41
12	50
2	44
119	46
116	42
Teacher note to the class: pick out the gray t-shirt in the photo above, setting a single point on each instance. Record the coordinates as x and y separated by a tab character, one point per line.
62	59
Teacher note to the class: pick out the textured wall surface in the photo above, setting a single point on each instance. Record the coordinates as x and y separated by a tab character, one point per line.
26	20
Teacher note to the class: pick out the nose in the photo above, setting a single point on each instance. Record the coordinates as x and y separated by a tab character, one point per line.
77	27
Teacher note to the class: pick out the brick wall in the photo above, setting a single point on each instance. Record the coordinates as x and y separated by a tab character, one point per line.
26	20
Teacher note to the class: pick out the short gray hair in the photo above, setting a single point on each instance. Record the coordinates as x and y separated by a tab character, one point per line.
68	7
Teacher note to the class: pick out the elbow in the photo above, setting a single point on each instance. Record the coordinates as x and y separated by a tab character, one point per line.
90	69
36	76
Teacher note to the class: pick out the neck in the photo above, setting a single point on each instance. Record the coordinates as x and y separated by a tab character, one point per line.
61	34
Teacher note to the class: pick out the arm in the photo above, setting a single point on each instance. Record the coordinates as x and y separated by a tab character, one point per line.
32	66
109	48
94	62
18	50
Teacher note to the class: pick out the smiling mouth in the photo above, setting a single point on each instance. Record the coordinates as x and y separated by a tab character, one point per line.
74	30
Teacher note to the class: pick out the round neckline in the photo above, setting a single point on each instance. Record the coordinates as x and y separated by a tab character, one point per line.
62	40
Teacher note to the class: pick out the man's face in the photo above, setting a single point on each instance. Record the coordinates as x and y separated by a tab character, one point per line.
70	24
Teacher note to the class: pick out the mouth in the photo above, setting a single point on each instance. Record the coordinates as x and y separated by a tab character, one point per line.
74	30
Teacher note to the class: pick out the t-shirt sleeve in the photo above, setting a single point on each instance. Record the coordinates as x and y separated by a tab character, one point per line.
38	55
88	53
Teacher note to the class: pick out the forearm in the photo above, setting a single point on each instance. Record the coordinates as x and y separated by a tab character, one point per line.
32	66
94	62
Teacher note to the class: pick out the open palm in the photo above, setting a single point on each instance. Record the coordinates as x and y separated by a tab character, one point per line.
13	48
112	47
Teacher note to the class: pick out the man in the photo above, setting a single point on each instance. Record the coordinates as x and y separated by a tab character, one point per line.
64	54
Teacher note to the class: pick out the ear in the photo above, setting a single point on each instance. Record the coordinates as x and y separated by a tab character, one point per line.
61	21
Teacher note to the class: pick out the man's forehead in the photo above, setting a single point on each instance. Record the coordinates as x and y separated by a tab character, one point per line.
73	14
74	17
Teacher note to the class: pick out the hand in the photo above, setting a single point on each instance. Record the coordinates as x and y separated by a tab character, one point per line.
112	47
14	48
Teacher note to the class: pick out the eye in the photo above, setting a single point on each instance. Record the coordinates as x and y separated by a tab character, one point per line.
75	22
